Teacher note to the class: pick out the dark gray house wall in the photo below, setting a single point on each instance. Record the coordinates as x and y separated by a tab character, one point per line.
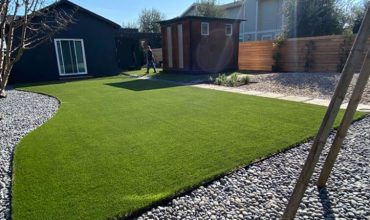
98	35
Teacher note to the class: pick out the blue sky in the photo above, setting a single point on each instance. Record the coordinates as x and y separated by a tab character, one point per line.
121	11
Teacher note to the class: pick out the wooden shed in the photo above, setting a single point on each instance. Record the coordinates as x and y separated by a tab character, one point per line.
200	44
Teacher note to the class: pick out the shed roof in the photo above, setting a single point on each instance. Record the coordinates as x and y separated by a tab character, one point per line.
178	19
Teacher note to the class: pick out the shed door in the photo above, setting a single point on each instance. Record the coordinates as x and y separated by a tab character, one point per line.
180	46
169	47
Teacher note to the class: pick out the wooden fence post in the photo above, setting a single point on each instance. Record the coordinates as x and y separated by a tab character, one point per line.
353	61
346	122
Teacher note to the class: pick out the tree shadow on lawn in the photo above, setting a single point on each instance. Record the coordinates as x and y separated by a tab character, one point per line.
143	85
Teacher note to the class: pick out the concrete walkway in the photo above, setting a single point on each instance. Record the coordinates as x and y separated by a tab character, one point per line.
308	100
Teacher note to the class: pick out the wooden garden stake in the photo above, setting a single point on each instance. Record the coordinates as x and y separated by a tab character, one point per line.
346	122
353	61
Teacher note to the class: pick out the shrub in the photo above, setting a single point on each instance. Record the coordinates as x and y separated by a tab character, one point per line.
245	80
221	80
232	81
276	56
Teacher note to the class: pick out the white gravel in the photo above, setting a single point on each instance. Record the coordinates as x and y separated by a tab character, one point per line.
262	190
313	85
22	112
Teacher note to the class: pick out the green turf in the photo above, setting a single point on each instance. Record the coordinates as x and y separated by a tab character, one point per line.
117	144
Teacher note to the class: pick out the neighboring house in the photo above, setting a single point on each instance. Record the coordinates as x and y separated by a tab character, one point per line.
200	44
264	18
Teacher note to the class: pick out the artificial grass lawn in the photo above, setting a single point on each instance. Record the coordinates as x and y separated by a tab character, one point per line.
117	144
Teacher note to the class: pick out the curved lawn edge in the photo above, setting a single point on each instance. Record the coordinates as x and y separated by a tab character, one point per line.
205	183
25	112
33	130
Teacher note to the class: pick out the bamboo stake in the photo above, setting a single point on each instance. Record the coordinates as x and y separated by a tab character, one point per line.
346	122
353	61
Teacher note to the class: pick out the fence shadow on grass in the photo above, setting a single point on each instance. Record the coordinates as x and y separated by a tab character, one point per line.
143	85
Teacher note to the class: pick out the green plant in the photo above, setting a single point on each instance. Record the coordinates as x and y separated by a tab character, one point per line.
245	80
276	56
221	80
309	59
232	81
344	50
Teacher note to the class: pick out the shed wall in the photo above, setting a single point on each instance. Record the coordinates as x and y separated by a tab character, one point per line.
213	53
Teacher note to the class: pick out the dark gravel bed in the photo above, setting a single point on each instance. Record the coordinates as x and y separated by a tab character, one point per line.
21	113
262	190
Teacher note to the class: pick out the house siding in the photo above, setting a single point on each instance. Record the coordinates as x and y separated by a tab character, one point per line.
268	20
40	63
269	11
234	13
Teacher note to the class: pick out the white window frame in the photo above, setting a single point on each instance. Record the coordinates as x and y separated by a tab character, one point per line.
269	36
207	29
231	30
61	73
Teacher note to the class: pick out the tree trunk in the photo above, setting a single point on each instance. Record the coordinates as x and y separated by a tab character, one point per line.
4	78
2	93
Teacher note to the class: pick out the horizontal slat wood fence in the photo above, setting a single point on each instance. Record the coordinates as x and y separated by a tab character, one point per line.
257	55
326	55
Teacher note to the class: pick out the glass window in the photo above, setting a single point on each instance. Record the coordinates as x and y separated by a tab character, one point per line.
205	28
229	29
71	56
80	56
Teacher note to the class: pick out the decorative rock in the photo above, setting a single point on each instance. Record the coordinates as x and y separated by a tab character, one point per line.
262	190
22	112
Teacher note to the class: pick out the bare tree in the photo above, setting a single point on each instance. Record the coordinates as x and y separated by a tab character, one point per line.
148	20
130	25
25	24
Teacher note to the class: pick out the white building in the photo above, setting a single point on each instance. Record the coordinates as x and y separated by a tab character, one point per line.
264	18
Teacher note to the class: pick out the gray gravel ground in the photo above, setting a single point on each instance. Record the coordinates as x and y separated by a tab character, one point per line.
22	112
262	190
314	85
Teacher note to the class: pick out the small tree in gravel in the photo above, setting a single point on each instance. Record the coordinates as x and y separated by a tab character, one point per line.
25	24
